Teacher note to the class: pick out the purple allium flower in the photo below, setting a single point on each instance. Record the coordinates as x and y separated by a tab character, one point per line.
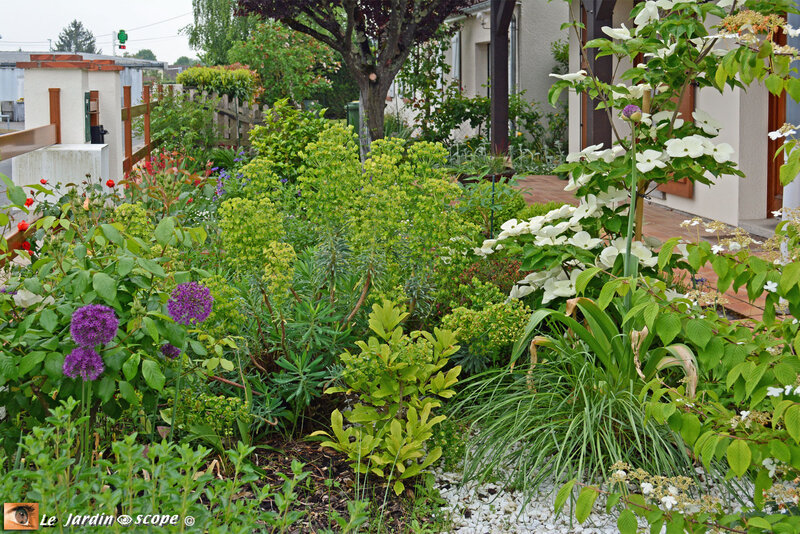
630	110
93	324
83	362
190	303
170	351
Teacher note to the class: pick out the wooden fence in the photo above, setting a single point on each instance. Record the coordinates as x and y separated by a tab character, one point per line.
129	113
24	141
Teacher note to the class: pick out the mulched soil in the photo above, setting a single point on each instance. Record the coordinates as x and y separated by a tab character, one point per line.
316	498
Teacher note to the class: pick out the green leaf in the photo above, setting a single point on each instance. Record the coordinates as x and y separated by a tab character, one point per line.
626	522
153	375
48	320
791	419
759	522
124	265
739	456
780	450
105	388
131	367
53	366
151	267
29	361
128	393
165	230
563	494
699	332
112	234
667	327
105	286
774	84
790	277
690	428
16	195
583	507
584	278
152	328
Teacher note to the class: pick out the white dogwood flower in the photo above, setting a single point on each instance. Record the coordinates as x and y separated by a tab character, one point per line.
691	147
590	153
583	240
772	287
706	122
623	33
774	392
721	152
582	180
647	15
572	76
648	160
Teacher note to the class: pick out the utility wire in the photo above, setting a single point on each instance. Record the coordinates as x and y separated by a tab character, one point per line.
159	22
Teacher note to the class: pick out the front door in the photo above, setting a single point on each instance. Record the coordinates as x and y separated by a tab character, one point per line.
776	119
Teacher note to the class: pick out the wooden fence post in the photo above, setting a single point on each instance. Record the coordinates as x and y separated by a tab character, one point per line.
126	100
146	98
55	112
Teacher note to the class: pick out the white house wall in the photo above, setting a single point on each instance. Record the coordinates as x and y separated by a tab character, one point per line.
743	115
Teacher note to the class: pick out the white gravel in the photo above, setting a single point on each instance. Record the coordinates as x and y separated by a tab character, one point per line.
489	509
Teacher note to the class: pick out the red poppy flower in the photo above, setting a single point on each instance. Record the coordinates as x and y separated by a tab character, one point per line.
26	246
43	181
190	200
22	226
28	202
110	183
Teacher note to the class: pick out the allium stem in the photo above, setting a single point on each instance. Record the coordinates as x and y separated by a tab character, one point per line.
630	265
177	398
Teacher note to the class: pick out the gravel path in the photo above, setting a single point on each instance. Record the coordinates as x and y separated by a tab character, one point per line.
489	509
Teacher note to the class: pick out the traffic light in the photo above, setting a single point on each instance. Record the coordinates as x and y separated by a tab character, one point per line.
122	37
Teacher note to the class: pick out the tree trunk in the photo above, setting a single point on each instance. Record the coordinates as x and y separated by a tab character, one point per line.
372	106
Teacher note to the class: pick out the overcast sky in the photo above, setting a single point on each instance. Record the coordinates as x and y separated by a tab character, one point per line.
28	24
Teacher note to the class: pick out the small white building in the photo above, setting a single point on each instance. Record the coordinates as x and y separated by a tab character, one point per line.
12	79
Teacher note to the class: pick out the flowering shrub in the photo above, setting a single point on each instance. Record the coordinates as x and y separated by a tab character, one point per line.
283	137
249	228
397	378
731	408
488	334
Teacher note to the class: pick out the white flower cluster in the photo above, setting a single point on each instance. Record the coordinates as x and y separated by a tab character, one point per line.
562	226
785	390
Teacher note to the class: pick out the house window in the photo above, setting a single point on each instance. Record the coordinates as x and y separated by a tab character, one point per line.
455	46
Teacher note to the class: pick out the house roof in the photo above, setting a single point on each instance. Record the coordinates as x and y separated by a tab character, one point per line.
10	59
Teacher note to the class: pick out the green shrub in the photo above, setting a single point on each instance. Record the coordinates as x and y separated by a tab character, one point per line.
490	205
284	135
162	478
134	219
397	378
487	334
236	81
536	209
216	417
249	228
184	124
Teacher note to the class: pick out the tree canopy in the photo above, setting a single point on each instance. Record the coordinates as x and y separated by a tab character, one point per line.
289	63
374	37
76	38
145	53
185	61
216	27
